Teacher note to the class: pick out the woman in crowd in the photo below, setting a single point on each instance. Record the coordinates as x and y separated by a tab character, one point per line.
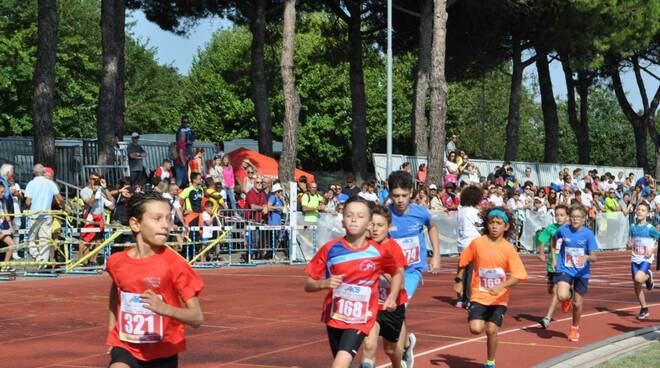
181	163
196	163
452	169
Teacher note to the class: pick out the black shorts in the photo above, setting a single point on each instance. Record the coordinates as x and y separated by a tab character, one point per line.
580	284
348	340
488	313
391	323
120	355
553	277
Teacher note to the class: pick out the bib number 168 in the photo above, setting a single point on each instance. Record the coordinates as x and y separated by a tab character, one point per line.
349	308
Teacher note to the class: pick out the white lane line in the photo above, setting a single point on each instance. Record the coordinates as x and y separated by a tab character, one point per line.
431	351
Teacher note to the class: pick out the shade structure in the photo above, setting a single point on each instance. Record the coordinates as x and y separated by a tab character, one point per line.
265	165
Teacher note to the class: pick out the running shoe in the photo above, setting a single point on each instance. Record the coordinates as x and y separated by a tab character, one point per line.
409	354
545	322
489	365
367	363
649	282
574	334
459	304
566	305
643	314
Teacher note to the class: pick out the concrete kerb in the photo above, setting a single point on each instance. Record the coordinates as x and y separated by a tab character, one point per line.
604	350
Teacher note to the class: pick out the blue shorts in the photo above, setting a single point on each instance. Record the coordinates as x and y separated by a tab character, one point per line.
413	278
640	267
580	284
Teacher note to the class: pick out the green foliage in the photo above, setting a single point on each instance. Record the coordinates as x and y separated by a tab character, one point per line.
153	92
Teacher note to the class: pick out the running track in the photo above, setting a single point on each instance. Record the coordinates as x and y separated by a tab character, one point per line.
260	317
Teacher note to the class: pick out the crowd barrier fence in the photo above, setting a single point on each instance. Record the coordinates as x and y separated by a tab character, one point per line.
237	238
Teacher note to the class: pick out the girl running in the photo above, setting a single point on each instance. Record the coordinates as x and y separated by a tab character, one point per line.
643	243
493	258
349	269
154	292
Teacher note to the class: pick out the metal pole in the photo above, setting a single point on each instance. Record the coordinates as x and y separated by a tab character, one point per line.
388	168
482	118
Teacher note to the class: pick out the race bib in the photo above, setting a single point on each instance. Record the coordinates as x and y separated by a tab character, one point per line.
383	290
573	257
137	324
642	245
489	277
350	303
411	249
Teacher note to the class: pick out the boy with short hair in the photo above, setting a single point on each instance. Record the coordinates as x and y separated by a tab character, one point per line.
576	245
544	240
643	242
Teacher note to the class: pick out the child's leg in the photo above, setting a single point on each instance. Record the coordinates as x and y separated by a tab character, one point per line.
371	344
477	326
552	290
639	292
119	365
343	359
491	332
563	291
345	345
9	242
577	308
394	351
403	337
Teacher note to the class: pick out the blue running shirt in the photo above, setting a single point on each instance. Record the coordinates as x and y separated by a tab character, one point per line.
408	231
573	245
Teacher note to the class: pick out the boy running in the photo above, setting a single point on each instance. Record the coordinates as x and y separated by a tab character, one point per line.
576	245
493	257
408	222
544	239
389	322
349	268
154	292
643	243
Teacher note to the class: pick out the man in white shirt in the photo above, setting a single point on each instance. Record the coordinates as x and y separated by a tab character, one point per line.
367	192
40	193
496	197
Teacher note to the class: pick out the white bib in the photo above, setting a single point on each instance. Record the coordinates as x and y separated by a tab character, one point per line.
138	324
350	303
643	245
489	277
573	257
411	248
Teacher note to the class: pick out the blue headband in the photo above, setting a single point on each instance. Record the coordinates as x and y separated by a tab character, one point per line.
498	213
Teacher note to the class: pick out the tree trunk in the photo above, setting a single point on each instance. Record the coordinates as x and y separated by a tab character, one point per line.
358	99
258	76
578	124
43	146
107	109
638	122
287	166
438	94
582	135
549	107
120	36
421	88
513	119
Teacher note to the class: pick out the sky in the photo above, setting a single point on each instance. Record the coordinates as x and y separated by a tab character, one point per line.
180	51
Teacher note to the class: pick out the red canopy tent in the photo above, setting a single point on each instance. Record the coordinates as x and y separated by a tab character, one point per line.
265	165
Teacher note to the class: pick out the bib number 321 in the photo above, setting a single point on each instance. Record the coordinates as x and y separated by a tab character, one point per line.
350	303
137	324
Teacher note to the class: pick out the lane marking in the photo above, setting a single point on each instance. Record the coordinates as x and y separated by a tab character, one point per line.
476	339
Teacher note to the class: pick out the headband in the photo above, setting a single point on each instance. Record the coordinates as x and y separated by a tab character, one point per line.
498	213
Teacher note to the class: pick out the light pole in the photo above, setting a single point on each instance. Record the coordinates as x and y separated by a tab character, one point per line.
388	167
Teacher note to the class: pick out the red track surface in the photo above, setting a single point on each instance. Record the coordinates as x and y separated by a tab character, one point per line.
260	317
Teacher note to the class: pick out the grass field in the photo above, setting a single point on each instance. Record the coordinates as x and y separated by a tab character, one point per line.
646	357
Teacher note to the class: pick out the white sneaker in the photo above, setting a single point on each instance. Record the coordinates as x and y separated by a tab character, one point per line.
15	256
409	354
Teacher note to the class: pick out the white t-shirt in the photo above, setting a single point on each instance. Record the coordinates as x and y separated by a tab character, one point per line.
514	205
174	202
452	167
17	204
496	200
207	233
587	199
371	197
655	202
469	225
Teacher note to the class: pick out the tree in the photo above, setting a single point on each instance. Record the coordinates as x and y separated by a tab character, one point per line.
549	108
438	93
422	74
119	28
44	81
108	94
287	163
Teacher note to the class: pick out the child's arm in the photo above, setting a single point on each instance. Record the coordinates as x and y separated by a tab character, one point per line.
396	284
113	301
497	289
333	282
190	315
458	280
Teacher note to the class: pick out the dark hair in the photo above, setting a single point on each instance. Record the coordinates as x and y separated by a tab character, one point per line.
355	199
512	221
137	205
209	182
194	176
400	179
562	207
208	204
471	196
645	204
381	210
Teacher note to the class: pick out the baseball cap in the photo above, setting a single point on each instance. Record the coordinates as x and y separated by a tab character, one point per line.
219	155
433	186
135	135
276	187
49	170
